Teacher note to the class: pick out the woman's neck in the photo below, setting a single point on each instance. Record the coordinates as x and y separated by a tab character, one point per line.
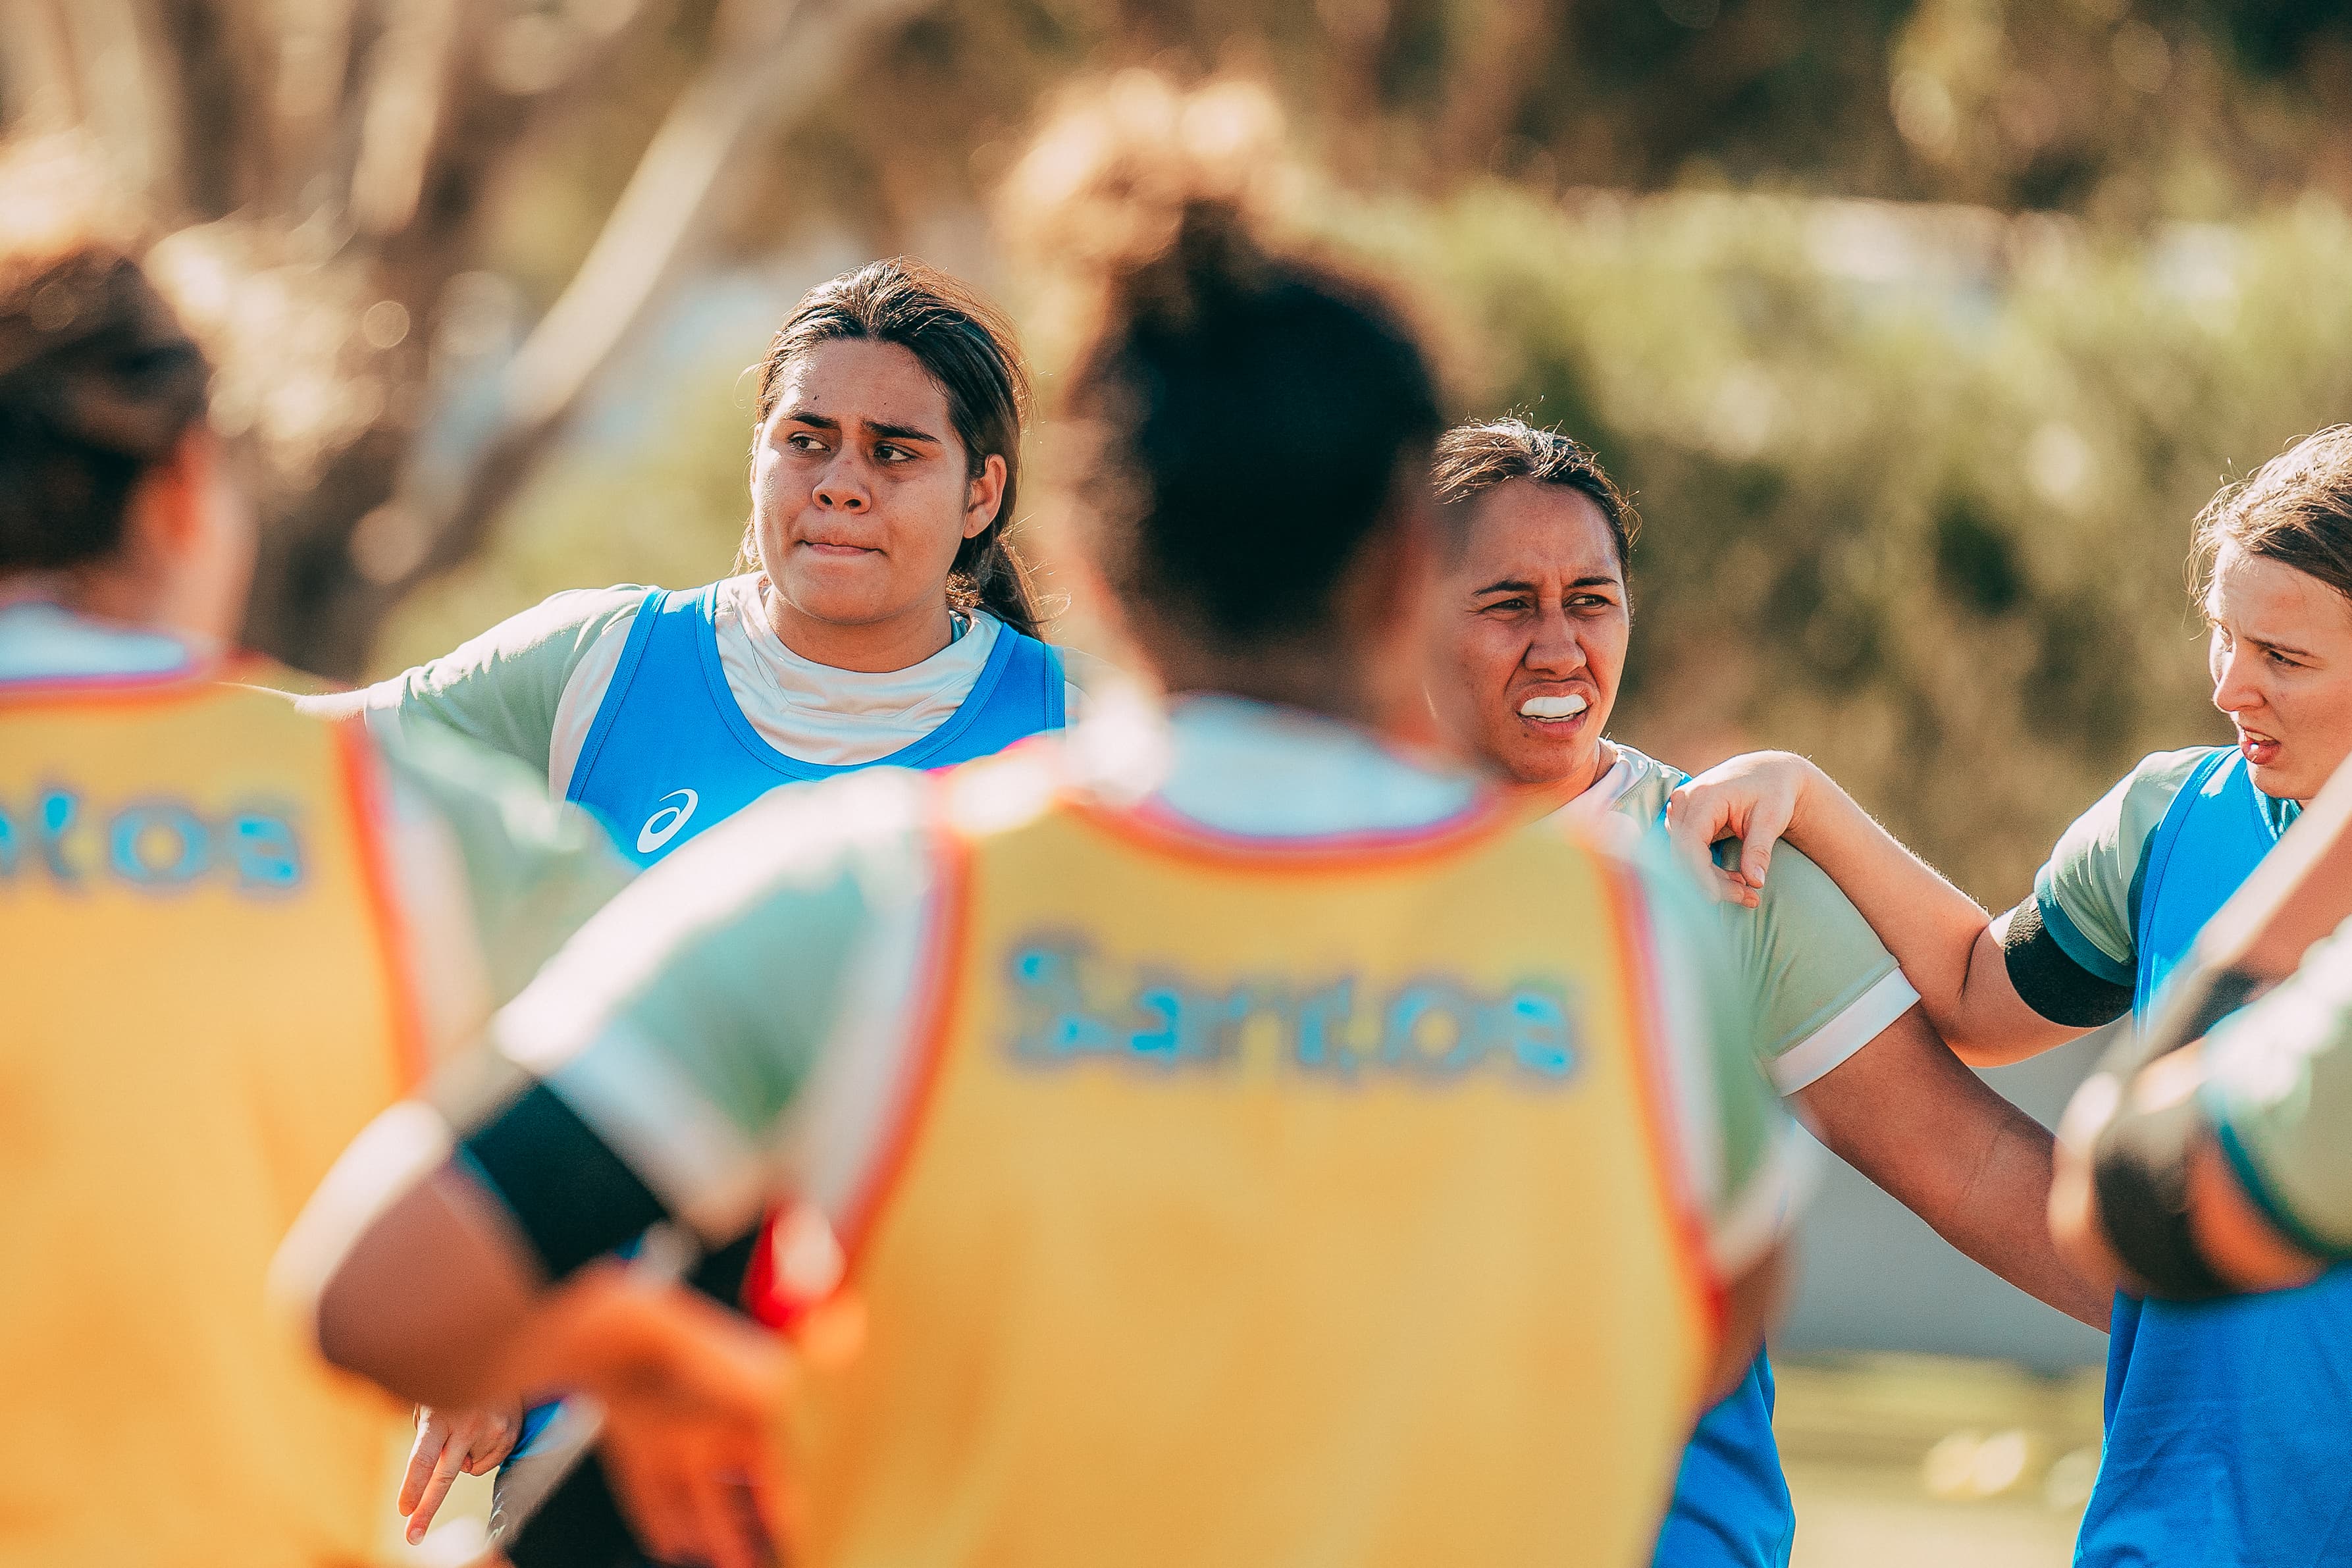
1310	679
1604	757
869	647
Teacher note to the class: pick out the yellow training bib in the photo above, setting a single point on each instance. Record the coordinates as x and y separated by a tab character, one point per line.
202	1011
1267	1207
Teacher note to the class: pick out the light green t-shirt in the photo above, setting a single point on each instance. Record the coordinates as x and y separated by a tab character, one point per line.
2088	892
532	686
740	1018
2278	1086
533	869
504	690
1819	983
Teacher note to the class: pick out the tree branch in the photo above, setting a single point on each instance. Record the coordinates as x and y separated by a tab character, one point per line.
770	64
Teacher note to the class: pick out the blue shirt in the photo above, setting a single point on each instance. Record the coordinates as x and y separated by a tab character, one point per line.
670	752
2228	1423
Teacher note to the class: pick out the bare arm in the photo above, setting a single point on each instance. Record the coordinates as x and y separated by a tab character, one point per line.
1938	1140
440	1300
1948	947
2230	1234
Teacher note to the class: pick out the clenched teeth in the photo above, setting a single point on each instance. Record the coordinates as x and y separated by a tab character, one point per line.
1566	707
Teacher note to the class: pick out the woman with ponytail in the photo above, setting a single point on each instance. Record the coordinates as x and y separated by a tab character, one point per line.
877	614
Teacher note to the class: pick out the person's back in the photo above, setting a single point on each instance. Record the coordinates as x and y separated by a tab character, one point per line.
1288	1111
229	935
205	1006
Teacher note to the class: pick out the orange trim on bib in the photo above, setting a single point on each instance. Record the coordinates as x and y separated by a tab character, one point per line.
941	969
113	690
1165	832
364	792
1638	959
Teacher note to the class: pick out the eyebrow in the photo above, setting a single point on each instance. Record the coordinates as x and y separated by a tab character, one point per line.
1514	585
811	417
2288	649
2284	647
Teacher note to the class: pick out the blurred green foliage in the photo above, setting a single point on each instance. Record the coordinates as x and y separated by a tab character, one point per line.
2123	109
1917	482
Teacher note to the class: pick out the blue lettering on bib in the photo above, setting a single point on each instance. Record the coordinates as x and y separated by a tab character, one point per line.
156	844
1073	1006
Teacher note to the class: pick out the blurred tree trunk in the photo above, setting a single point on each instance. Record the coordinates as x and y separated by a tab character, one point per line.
322	172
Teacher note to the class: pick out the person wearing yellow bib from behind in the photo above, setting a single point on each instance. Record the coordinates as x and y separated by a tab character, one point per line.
231	934
1246	1140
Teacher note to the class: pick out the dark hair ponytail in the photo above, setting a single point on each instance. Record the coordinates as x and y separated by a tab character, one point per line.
99	382
1253	418
969	349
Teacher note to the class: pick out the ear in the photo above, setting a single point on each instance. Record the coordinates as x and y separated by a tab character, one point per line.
984	496
167	509
193	531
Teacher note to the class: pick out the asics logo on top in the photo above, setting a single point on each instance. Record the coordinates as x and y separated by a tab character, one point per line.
663	825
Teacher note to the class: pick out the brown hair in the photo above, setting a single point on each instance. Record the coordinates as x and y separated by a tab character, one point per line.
969	349
2295	511
98	383
1473	459
1252	412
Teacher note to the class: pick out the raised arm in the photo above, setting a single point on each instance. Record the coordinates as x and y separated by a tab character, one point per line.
1960	959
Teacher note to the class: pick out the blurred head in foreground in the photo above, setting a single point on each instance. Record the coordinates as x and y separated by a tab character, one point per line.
1250	423
1537	609
2273	558
111	495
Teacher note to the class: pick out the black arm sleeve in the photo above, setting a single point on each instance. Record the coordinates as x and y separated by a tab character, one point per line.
2050	982
572	1197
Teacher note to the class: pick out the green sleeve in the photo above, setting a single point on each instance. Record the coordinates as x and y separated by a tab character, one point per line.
501	688
1744	1155
1823	984
534	869
2278	1086
2089	892
687	1017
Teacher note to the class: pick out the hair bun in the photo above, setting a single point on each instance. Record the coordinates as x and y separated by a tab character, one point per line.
97	379
1147	198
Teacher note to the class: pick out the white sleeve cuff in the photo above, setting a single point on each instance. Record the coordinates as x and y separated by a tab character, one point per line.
1811	1058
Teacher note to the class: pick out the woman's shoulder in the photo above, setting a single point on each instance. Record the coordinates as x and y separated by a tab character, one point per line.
2132	810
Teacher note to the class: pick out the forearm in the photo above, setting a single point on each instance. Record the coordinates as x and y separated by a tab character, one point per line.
2000	1221
1936	1138
1932	929
431	1299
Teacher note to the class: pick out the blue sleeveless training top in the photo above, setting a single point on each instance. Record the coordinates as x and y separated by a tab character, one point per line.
2229	1424
1731	1507
670	752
